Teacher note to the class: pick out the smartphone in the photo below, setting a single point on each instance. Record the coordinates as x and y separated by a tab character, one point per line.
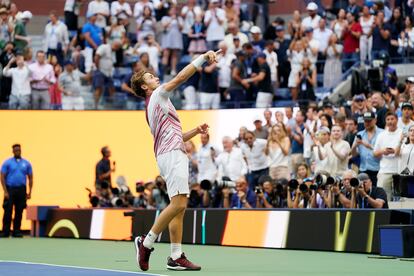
359	136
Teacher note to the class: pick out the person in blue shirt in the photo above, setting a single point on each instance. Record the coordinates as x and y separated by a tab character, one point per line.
14	175
364	147
242	198
93	39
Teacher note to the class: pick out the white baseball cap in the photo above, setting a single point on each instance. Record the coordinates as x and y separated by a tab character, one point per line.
255	30
26	15
312	6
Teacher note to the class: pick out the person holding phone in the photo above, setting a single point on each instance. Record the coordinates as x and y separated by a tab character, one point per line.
385	150
405	151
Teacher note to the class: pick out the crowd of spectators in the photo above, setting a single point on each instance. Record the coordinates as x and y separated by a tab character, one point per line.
302	54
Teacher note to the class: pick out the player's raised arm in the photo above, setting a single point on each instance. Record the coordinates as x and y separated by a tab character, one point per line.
190	69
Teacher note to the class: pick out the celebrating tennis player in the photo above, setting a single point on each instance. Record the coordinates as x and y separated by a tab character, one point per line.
171	158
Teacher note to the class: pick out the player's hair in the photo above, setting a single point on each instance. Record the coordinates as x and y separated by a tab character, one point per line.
137	81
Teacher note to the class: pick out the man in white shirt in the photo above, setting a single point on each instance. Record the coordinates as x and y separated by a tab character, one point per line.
384	149
233	30
102	77
322	34
21	90
224	66
206	156
151	46
311	21
405	122
214	19
271	59
230	162
70	85
257	161
101	9
320	148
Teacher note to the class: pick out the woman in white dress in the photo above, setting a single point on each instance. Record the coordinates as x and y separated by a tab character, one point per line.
277	149
296	54
333	66
146	24
339	24
365	41
172	40
405	151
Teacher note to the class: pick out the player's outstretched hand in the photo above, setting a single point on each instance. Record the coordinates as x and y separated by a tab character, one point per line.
212	56
203	129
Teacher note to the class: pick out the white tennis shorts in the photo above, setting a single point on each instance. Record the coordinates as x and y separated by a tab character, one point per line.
173	168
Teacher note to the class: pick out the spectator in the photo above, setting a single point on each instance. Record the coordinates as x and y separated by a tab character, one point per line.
264	83
311	126
103	170
278	148
256	39
320	149
381	35
72	8
370	196
282	45
406	39
358	108
20	91
55	93
144	63
230	162
384	149
6	28
397	24
121	10
332	74
323	35
364	147
267	114
150	46
15	173
117	32
189	13
294	25
93	39
146	24
302	172
140	5
224	65
102	77
210	94
378	103
43	76
326	121
406	153
296	135
259	131
192	164
365	43
405	122
6	82
350	37
353	7
206	157
70	85
101	9
233	32
243	198
271	59
339	24
339	152
214	19
197	36
345	197
351	130
238	83
312	20
56	38
305	82
232	13
21	39
296	53
172	41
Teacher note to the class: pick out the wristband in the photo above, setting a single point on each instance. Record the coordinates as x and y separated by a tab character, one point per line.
199	61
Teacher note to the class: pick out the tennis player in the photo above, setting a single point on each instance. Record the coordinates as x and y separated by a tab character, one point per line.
171	159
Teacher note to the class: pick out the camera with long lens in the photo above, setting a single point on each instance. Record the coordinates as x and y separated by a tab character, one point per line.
303	188
258	190
354	182
321	181
225	182
293	184
116	202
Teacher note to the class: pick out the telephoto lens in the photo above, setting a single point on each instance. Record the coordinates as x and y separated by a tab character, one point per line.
354	182
303	188
293	184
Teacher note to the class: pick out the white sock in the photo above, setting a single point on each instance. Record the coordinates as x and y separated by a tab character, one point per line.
150	239
176	251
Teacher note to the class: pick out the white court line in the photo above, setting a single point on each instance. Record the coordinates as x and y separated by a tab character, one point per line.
81	267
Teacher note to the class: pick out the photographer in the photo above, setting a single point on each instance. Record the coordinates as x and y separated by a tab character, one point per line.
300	195
158	196
199	198
369	196
243	198
345	196
270	196
104	169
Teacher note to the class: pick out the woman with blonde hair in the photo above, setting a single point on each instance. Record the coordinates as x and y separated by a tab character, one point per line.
277	149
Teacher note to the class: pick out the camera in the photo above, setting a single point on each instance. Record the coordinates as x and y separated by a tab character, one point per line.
225	182
139	187
258	190
293	184
116	202
354	182
321	181
303	188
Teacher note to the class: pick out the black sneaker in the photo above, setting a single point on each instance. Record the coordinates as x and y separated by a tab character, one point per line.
181	263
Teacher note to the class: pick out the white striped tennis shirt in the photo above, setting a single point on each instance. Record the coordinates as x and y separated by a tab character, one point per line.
164	122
